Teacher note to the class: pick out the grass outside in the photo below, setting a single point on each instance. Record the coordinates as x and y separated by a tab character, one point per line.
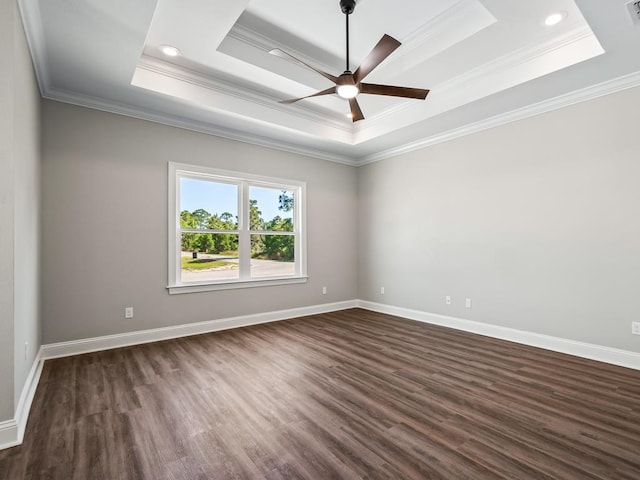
189	263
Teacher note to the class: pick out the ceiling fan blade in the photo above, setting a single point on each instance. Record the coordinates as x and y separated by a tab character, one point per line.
392	91
382	50
328	91
356	113
282	54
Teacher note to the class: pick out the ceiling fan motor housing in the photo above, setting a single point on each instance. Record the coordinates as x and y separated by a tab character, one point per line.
347	6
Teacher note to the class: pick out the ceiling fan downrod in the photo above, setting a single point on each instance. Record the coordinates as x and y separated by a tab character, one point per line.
346	86
347	7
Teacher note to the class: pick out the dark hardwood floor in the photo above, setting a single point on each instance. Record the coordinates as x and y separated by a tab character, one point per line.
347	395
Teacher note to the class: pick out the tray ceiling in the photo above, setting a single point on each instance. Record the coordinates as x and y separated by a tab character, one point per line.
486	62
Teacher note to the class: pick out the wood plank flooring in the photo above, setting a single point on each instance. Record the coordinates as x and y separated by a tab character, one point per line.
346	395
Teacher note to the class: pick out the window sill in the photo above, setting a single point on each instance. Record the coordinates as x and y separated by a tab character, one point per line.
210	287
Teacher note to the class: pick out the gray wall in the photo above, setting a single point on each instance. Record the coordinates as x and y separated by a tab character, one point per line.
19	209
27	210
7	8
535	221
104	221
538	222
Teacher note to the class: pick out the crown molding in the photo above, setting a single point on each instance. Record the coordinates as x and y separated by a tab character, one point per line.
578	96
157	66
434	27
200	127
495	68
522	56
32	20
259	41
470	15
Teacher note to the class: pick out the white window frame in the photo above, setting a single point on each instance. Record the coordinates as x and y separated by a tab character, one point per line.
244	182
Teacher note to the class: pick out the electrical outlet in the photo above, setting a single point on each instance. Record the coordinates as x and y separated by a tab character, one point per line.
324	290
467	303
635	328
128	312
447	300
381	290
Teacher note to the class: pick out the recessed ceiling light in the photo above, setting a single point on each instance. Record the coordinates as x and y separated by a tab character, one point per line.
555	18
169	51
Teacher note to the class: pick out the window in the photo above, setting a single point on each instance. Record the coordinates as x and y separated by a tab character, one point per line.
233	230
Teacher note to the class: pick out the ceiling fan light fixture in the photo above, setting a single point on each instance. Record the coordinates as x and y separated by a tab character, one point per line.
346	86
347	91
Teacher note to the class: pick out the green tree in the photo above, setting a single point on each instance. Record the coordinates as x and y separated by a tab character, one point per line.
201	217
204	242
279	247
275	247
285	201
188	221
223	242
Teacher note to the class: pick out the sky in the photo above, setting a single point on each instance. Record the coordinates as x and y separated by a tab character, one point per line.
222	197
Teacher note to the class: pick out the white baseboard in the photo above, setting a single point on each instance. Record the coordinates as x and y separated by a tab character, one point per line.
12	431
600	353
76	347
8	434
623	358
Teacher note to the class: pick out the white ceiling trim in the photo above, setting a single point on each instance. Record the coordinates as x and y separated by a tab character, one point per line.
31	16
259	41
485	78
585	94
455	24
578	96
180	74
517	58
431	32
443	22
188	124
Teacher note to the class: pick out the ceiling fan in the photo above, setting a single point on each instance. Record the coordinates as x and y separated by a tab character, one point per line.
349	85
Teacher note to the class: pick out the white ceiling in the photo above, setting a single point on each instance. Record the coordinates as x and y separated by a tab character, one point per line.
486	62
